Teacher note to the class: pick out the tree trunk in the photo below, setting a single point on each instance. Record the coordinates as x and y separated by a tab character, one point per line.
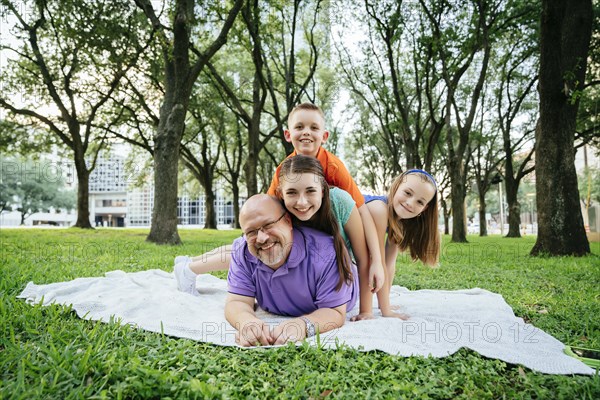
514	209
446	214
565	36
459	233
512	189
482	212
235	189
251	165
457	197
83	193
179	78
250	170
210	218
166	157
514	219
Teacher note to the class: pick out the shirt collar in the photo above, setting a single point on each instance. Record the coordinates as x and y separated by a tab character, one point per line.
319	153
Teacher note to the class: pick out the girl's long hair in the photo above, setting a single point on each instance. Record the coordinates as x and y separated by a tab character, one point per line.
419	234
323	220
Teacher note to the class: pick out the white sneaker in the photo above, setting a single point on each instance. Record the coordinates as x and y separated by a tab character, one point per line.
186	279
182	259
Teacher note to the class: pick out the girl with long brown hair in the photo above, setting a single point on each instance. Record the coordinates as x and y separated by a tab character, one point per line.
310	200
409	215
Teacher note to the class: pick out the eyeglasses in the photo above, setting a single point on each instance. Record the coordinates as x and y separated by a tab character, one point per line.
266	227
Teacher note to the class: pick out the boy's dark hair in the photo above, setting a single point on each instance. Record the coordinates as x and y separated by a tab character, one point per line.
324	219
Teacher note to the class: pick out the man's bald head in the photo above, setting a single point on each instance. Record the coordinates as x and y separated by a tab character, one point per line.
267	228
262	203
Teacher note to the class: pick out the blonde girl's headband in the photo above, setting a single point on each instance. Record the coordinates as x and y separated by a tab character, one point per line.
420	171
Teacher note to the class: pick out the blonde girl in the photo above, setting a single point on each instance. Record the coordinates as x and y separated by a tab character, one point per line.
409	215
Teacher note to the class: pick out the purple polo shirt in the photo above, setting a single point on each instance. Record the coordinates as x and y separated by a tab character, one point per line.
305	283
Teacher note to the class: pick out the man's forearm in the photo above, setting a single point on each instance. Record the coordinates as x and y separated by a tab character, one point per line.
238	314
323	319
326	319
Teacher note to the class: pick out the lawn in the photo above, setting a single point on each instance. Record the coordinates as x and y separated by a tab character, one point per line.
48	352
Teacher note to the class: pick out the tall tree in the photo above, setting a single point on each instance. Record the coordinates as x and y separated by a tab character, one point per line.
464	34
515	66
588	123
294	56
366	139
233	157
250	118
566	28
444	190
484	152
263	91
396	82
136	117
180	72
207	126
460	51
201	149
71	57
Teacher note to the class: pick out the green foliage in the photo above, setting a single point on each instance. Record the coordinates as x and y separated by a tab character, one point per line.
30	186
589	185
12	139
48	352
82	46
65	61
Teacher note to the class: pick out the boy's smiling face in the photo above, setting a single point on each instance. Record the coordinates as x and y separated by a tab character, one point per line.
306	132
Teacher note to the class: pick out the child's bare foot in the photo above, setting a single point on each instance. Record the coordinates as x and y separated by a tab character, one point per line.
362	317
391	314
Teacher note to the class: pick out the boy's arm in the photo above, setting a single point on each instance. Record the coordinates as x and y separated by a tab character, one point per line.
274	183
338	175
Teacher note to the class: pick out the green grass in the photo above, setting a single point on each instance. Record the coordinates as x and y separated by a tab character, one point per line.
48	352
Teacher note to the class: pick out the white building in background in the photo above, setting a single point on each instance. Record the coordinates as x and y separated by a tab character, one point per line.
50	169
190	212
51	218
108	192
140	203
587	157
193	212
113	203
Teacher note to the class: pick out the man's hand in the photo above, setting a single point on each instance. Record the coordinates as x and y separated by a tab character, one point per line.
376	277
251	331
254	333
289	331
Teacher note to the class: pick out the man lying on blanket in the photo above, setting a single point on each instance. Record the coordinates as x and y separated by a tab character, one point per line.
289	271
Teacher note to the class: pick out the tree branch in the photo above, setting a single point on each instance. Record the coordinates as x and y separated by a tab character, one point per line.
218	43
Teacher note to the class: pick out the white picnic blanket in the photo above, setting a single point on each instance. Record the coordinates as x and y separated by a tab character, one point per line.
441	322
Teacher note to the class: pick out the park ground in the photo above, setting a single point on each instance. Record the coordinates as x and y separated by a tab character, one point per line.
48	352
